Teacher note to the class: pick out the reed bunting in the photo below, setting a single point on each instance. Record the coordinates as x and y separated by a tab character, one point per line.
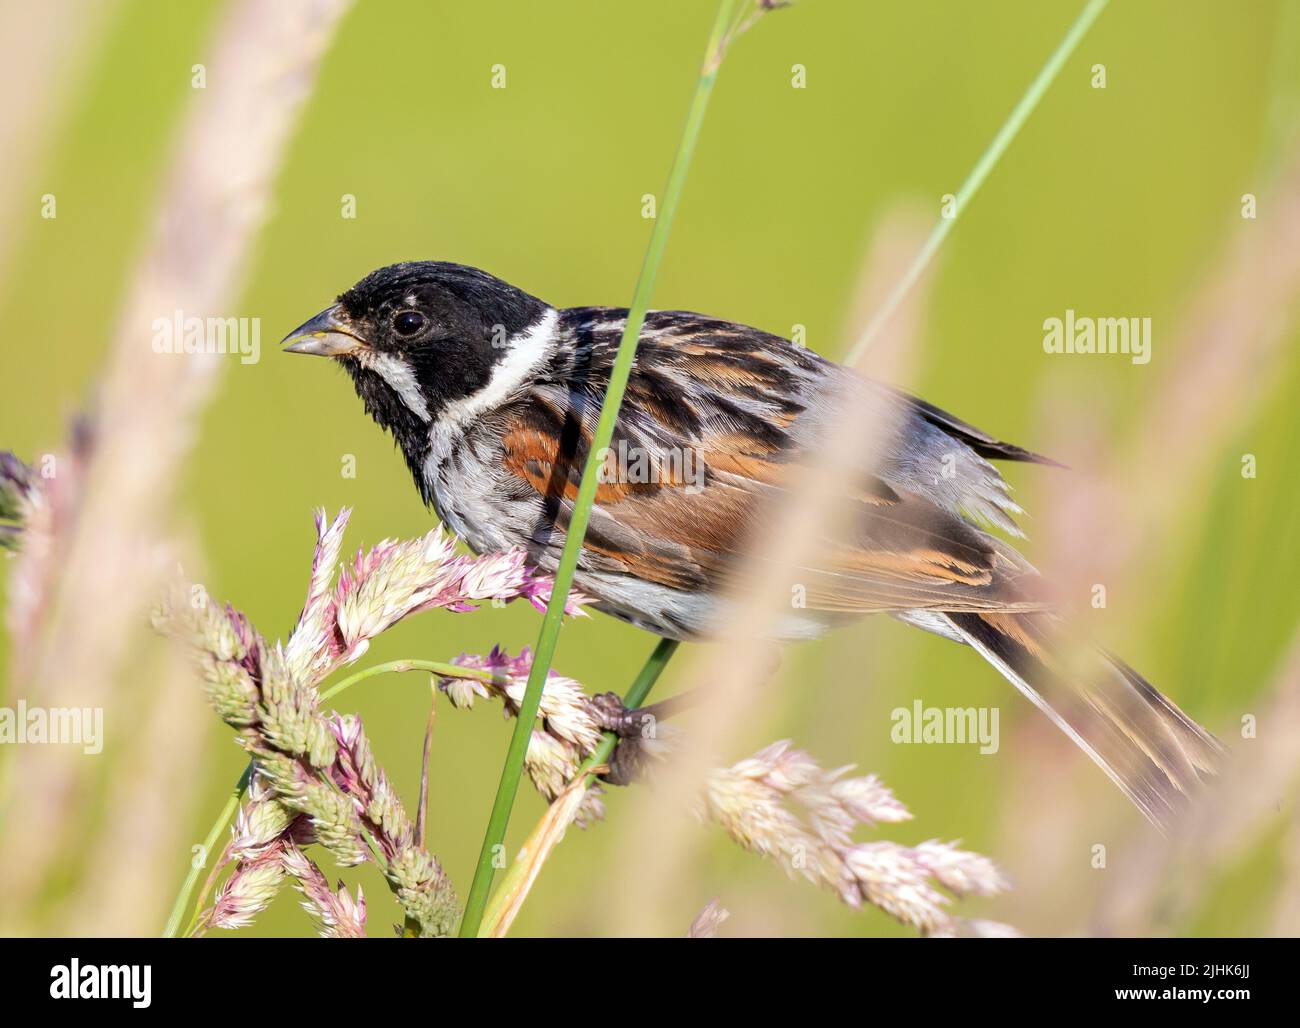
492	397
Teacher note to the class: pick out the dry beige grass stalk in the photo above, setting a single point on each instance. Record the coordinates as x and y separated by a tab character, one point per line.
505	904
658	844
1286	912
263	64
117	896
1122	512
1212	382
1157	884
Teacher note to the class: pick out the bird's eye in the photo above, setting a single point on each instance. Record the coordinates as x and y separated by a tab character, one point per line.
408	323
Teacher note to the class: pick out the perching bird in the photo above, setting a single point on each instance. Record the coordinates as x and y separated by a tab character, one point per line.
492	396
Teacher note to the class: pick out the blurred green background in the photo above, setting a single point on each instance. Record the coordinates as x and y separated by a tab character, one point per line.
1116	201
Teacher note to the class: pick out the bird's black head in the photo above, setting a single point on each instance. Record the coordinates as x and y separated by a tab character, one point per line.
426	341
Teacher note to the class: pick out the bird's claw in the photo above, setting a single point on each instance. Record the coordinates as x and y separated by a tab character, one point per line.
626	764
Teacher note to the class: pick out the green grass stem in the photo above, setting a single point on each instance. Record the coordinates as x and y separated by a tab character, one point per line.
494	837
1010	129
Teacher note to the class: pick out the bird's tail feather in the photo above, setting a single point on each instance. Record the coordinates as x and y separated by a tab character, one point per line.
1148	747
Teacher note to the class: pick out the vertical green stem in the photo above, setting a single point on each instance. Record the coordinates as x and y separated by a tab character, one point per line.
550	630
633	698
1010	129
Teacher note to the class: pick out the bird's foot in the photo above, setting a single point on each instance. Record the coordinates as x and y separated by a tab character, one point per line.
637	731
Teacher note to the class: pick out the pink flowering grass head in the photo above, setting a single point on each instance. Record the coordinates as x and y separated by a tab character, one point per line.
395	579
781	804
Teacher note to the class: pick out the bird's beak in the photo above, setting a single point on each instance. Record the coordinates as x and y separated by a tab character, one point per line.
329	334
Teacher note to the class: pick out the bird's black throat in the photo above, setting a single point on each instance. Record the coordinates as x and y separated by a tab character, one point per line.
409	432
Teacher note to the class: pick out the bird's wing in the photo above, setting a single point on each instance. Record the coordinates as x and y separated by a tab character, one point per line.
715	423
